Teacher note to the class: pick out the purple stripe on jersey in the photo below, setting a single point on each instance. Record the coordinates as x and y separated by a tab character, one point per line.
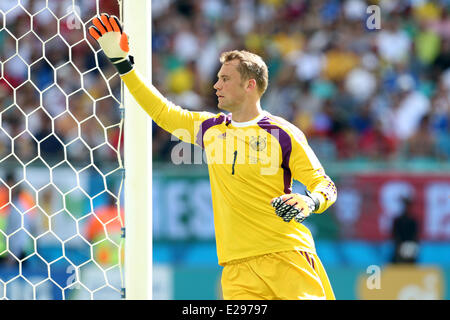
305	255
286	148
310	260
228	119
208	123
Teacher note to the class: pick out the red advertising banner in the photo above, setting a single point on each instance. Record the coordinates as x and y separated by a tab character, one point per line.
368	203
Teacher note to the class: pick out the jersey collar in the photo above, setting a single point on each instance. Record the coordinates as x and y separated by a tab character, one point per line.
250	122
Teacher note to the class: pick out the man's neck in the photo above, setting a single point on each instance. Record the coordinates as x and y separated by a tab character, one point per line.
247	113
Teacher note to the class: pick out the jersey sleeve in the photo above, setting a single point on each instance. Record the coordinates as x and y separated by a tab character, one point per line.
307	169
182	123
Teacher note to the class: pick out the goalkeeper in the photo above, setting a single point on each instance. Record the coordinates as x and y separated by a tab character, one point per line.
253	157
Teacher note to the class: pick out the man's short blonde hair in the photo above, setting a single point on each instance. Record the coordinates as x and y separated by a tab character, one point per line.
251	66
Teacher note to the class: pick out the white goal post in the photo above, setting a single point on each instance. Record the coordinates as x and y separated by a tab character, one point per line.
138	159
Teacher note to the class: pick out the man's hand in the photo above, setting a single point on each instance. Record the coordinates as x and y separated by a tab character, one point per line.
294	206
113	41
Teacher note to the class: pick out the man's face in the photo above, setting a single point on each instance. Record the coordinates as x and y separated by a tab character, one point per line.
230	87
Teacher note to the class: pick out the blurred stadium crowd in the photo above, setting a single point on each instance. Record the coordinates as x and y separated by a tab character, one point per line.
356	93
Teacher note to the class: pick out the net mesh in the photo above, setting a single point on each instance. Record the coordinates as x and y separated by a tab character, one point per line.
61	169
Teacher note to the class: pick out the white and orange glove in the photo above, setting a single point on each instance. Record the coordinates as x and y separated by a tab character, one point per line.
295	206
108	32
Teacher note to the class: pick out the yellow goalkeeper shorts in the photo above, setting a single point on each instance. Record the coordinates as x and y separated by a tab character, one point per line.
289	275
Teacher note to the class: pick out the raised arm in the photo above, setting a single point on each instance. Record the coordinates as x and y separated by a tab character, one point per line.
184	124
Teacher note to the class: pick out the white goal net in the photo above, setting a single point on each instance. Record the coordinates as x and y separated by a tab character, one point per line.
61	172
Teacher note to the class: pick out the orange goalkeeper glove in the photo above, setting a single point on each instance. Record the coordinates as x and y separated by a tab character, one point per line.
295	206
113	41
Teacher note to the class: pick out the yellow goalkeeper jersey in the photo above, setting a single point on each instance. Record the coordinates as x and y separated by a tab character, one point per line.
249	164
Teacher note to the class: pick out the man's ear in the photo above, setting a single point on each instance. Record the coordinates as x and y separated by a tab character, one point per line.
251	84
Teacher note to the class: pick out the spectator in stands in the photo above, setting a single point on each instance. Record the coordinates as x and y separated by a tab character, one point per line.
422	144
374	144
347	143
13	217
104	229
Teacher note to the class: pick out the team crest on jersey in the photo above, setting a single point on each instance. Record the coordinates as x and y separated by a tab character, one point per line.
258	143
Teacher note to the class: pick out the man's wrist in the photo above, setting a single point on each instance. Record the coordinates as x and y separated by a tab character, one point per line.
315	200
123	66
